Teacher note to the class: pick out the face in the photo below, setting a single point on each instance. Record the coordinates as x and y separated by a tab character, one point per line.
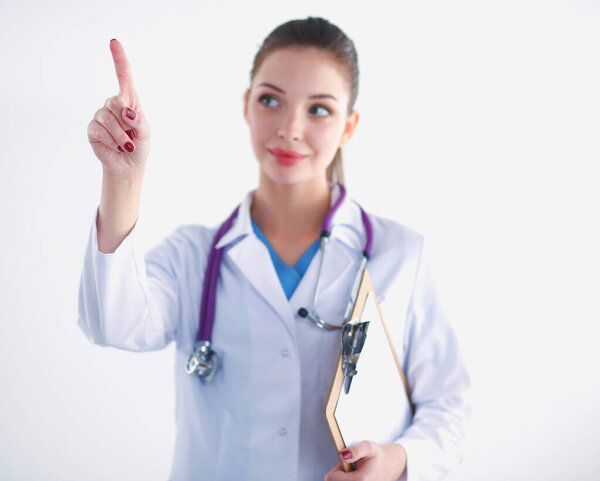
296	109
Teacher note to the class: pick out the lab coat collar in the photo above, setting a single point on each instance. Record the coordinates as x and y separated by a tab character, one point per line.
251	257
346	224
242	225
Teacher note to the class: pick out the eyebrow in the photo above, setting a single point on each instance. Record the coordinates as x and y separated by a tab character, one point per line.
316	96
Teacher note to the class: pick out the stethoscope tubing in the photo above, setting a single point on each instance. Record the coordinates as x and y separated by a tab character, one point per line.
209	291
205	356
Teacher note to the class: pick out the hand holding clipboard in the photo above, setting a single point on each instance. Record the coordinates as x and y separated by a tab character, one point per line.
369	402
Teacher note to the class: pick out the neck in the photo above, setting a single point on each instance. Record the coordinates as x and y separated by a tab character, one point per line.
291	211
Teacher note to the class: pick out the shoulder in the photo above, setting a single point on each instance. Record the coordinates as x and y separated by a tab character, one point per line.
395	257
192	236
394	238
187	244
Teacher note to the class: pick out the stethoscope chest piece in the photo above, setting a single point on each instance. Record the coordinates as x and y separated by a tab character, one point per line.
204	362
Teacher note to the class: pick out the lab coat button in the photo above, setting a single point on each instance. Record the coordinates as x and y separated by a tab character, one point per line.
285	353
282	432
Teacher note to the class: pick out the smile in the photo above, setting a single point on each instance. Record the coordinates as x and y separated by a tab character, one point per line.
286	157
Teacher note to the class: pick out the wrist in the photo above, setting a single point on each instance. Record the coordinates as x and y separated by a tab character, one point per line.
131	176
398	456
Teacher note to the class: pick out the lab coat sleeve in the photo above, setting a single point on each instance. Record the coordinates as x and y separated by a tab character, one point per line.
439	385
126	301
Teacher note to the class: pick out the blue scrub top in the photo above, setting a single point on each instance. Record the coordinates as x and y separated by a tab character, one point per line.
289	276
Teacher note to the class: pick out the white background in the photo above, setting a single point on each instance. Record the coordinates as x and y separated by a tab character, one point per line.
479	127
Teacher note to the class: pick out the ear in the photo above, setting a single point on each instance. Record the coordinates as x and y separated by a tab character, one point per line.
351	123
246	97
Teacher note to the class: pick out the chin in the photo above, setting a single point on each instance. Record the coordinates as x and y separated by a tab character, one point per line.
288	176
286	179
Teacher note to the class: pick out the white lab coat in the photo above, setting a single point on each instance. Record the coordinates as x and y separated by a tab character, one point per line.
262	417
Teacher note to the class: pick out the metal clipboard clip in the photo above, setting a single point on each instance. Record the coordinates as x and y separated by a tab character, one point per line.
354	334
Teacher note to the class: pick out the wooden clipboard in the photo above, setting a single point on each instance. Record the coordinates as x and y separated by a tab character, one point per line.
377	406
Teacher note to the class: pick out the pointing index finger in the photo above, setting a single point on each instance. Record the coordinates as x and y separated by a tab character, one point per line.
123	70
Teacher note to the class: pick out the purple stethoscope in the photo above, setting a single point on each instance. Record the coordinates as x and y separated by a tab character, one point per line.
205	361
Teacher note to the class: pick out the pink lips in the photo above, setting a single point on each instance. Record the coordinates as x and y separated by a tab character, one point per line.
286	157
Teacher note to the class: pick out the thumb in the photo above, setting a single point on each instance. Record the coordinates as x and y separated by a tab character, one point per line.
139	128
362	449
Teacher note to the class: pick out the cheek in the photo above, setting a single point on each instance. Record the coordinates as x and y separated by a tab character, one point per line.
261	127
327	138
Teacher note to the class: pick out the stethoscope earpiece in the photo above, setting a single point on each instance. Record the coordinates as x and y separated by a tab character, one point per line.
320	323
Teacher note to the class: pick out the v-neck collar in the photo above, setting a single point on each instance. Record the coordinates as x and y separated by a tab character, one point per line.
289	276
303	260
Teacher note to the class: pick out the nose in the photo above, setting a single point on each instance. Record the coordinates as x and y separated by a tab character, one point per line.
291	127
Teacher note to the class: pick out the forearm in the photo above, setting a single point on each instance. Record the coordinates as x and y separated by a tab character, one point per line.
118	211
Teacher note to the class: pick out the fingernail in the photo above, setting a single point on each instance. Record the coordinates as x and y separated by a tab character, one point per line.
120	148
346	454
112	40
129	147
130	113
131	133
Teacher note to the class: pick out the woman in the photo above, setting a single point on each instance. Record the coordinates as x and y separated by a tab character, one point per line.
261	416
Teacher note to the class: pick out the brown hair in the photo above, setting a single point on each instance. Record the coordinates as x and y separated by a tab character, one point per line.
319	33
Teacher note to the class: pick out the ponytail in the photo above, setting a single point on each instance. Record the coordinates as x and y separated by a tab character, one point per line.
335	171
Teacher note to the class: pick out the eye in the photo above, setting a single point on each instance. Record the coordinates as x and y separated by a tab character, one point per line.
264	99
319	108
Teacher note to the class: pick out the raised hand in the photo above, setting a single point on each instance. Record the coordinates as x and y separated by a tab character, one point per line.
118	133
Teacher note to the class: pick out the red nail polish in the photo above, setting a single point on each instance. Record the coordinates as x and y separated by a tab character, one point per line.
130	113
129	147
120	149
346	454
130	133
